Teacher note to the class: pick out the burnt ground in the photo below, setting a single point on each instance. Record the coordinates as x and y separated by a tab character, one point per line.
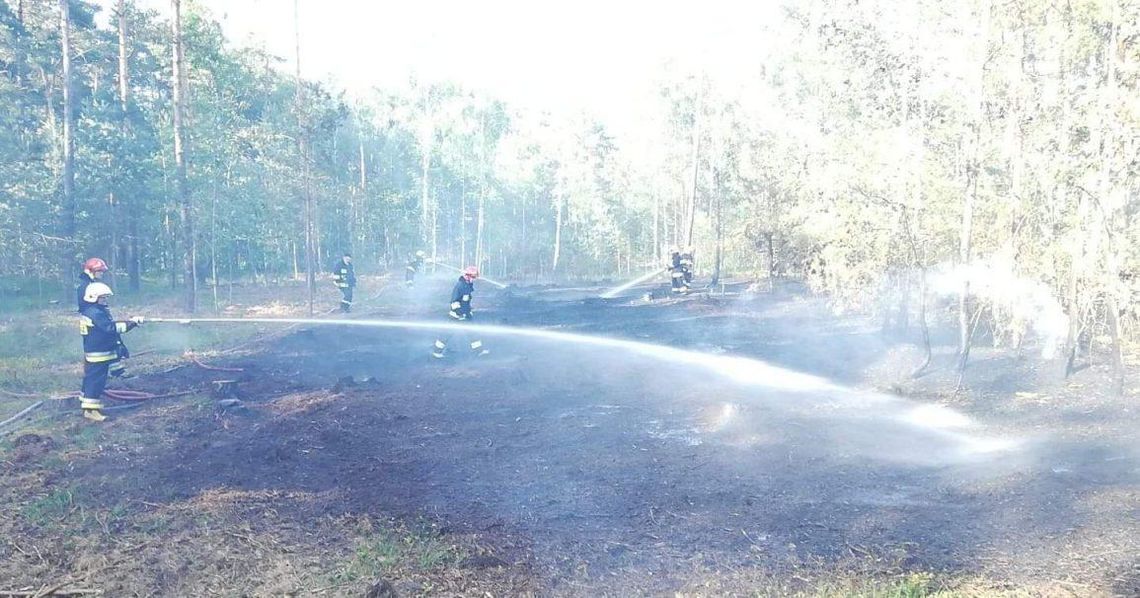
554	467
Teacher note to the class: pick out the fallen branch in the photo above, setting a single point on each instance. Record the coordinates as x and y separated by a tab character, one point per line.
213	368
18	395
56	592
134	395
26	411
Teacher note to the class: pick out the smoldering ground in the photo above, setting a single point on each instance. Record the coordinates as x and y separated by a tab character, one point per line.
654	440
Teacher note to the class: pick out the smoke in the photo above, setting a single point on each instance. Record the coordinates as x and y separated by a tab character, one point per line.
1026	303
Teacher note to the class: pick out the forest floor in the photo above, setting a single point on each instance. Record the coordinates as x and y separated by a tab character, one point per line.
776	449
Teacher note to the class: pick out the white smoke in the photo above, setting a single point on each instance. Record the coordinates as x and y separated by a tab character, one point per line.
1029	302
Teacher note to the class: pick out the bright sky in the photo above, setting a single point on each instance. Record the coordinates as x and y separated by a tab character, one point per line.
597	55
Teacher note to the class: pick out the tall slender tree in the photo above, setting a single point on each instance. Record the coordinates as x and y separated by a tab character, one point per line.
185	206
67	226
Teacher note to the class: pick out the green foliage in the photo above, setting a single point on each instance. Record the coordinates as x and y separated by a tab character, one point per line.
845	157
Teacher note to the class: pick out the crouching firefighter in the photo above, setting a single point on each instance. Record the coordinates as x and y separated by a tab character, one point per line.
414	265
461	311
344	277
103	348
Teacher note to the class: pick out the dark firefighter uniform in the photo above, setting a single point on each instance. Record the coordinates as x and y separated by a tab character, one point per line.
460	310
676	272
344	277
103	352
414	266
687	267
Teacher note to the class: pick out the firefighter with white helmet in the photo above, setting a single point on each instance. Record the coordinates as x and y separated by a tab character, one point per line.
415	264
103	348
344	277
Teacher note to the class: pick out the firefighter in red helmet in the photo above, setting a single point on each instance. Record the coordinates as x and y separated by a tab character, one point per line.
93	270
461	311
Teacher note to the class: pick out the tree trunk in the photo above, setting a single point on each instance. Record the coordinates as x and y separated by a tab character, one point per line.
185	207
719	235
1107	190
67	228
479	249
127	206
657	257
362	207
557	232
303	153
427	231
969	195
691	216
964	250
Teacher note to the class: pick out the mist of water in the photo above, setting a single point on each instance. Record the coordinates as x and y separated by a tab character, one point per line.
614	292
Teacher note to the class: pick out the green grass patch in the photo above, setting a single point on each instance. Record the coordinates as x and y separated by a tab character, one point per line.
913	585
52	509
384	552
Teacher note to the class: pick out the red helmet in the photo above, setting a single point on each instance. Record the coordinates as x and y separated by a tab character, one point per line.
471	272
95	265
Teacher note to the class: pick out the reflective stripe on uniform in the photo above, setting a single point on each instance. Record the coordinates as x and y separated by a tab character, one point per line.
440	345
87	403
476	344
120	327
100	356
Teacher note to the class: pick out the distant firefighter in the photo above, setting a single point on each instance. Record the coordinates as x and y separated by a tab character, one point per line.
93	270
687	267
676	271
344	277
460	310
415	265
103	348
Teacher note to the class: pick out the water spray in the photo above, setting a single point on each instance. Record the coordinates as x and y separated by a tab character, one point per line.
481	277
831	397
610	294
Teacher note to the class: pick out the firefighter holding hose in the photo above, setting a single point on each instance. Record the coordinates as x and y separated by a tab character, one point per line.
103	348
461	311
